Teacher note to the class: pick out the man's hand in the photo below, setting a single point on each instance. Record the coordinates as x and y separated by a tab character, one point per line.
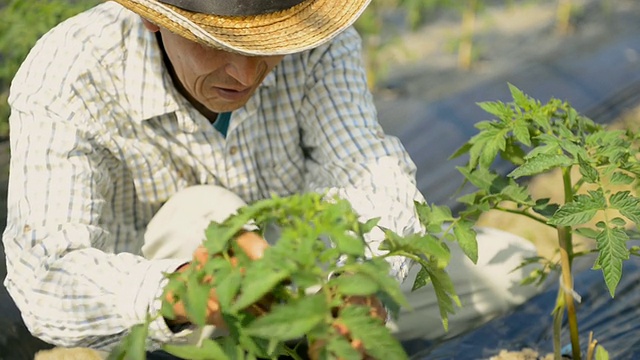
376	310
252	244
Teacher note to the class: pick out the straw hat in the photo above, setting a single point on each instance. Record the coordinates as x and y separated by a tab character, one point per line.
252	27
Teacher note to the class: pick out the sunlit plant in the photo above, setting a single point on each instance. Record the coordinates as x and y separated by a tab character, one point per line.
320	258
537	138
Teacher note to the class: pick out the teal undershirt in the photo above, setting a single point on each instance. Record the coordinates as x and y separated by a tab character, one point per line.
222	123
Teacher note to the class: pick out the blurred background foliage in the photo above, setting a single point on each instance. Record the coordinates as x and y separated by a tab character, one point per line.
381	25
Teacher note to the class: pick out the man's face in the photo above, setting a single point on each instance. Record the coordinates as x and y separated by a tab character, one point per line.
220	81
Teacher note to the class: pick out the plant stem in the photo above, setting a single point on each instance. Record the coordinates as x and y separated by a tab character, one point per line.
566	256
523	213
292	353
558	313
465	51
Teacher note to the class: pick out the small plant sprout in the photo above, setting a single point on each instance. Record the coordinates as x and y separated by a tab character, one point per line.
600	201
320	258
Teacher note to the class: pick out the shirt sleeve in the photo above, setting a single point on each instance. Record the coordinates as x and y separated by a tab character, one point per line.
348	152
63	272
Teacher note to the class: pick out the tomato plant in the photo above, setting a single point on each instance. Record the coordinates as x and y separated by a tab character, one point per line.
320	258
536	138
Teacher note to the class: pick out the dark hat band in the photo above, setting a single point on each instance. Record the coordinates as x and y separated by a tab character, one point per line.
233	7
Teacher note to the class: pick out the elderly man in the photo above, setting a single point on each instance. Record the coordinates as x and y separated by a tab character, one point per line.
137	122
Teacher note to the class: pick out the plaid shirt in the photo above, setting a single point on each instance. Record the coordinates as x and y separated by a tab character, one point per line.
100	139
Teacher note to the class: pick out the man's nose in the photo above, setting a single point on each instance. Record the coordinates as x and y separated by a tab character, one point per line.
245	69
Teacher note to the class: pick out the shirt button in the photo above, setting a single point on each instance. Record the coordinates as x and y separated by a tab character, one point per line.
380	134
233	150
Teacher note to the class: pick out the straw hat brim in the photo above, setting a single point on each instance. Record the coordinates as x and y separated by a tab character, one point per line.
302	27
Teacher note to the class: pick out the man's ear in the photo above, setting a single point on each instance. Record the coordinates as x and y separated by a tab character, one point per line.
150	26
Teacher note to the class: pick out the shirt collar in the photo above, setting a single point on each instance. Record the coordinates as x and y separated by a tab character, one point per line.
150	90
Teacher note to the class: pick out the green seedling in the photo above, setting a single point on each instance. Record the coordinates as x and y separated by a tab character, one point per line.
599	201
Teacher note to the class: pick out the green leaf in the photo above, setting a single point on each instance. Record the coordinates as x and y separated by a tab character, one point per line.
545	209
210	350
620	178
588	172
339	348
422	245
466	237
461	151
134	345
601	353
445	293
291	320
376	338
227	288
440	214
260	279
231	349
486	180
581	210
366	227
541	164
587	232
378	269
348	244
612	252
627	204
521	132
496	108
422	279
196	300
218	237
520	98
354	284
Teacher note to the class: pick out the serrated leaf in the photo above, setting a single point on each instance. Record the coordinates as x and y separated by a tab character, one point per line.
376	338
541	164
466	237
421	245
209	350
627	204
422	279
612	252
486	180
579	211
521	133
588	172
445	293
620	178
292	320
519	97
496	108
